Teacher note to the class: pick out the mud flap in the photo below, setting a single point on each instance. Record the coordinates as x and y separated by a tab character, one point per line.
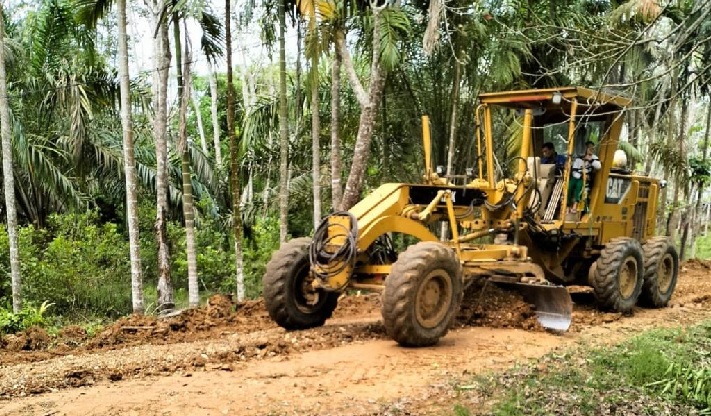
554	307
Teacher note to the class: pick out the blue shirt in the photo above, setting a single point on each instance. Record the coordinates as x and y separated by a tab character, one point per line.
559	161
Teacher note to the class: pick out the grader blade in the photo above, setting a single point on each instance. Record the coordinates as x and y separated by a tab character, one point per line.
554	307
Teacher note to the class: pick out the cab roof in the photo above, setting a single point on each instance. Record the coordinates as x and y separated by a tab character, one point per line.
595	100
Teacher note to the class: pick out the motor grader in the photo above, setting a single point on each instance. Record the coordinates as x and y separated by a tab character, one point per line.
517	231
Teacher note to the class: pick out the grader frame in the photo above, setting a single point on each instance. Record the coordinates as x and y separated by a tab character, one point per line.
540	248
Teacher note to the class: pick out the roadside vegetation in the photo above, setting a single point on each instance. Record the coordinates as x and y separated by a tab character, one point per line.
75	268
659	372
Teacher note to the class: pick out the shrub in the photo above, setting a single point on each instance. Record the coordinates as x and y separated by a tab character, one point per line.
76	264
29	316
215	256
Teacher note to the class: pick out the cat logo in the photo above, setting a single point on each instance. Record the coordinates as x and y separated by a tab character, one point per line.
616	190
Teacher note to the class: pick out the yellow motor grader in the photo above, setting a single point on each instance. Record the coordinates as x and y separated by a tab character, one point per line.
518	231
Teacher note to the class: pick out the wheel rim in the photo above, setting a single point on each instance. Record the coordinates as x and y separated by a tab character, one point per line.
307	298
665	273
628	277
433	298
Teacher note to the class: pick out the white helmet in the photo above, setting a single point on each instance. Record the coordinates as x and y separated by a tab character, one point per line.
620	159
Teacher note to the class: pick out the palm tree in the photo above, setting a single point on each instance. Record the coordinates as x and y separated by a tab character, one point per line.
336	187
283	129
309	8
129	163
8	179
315	129
161	57
183	77
234	160
215	124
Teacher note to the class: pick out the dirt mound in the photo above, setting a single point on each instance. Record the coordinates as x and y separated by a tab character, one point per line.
31	339
697	264
73	333
219	306
358	304
220	316
485	304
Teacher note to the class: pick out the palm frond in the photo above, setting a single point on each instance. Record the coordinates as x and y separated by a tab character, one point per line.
394	25
36	159
89	12
213	36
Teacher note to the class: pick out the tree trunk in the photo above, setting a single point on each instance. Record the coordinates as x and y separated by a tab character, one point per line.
283	131
128	158
678	186
267	184
215	122
696	223
297	76
234	161
160	131
200	127
452	130
336	187
183	78
684	236
315	140
654	127
369	103
9	180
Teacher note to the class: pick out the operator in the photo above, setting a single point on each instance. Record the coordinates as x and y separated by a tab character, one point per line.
551	157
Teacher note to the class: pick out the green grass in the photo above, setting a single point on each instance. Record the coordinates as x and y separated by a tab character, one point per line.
660	372
703	247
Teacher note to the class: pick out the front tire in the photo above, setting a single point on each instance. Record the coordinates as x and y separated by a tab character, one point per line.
661	270
289	297
618	275
422	294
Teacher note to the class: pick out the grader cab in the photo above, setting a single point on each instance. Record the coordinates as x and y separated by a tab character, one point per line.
519	232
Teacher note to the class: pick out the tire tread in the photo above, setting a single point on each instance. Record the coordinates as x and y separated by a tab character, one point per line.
401	289
276	292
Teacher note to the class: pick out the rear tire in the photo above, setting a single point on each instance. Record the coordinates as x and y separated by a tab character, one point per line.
618	274
291	301
661	270
422	294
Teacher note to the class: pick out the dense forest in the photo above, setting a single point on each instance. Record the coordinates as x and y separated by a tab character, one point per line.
141	185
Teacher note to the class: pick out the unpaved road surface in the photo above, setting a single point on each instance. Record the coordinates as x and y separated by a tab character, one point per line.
217	361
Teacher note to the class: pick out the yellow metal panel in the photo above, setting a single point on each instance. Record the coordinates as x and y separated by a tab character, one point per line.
388	199
488	132
427	146
489	254
569	159
630	201
522	165
374	269
612	229
395	224
477	121
652	210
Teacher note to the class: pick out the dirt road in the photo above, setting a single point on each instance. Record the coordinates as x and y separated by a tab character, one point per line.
217	362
